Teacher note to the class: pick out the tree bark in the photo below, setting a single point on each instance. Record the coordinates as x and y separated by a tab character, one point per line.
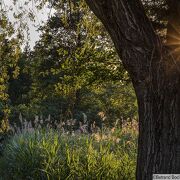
154	70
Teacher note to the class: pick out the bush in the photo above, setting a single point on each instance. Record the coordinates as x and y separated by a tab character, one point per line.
49	155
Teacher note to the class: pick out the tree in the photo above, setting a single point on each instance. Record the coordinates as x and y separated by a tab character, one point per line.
154	70
19	87
71	55
9	55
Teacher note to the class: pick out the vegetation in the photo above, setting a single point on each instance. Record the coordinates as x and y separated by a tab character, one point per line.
9	55
73	69
48	154
67	107
66	102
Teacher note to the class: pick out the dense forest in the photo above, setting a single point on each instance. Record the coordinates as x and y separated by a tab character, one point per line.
97	96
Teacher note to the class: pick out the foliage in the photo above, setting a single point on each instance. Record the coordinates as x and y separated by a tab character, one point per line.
19	87
117	101
72	53
9	55
157	11
72	62
72	69
49	155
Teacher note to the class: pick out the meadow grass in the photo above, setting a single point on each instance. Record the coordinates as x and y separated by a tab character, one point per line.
48	154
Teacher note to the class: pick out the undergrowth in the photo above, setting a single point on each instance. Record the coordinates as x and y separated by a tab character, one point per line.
49	155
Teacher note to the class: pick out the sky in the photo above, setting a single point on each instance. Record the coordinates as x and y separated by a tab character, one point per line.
40	16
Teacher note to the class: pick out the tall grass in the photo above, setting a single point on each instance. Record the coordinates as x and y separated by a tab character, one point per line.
50	155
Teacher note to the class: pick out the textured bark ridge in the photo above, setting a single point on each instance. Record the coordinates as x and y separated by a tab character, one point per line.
155	73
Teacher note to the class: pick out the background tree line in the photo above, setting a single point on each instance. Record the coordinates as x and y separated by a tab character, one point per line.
73	68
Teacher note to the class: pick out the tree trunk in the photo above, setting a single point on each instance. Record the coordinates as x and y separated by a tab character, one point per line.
155	74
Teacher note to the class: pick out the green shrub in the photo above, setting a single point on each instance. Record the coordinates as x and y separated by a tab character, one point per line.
49	155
